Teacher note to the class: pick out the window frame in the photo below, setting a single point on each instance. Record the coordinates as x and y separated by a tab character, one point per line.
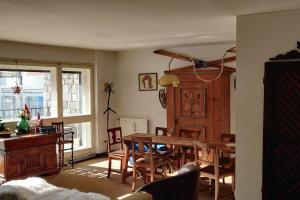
30	65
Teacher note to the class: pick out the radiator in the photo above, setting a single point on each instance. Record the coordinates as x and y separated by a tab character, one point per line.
131	125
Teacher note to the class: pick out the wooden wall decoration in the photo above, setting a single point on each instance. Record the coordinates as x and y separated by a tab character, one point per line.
281	152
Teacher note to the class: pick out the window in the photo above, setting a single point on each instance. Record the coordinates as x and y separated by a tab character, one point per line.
82	134
69	101
76	91
36	93
77	102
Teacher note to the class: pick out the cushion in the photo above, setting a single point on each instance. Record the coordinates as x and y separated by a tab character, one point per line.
187	167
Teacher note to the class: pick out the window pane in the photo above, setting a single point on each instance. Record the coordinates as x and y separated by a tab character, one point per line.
82	134
36	93
76	91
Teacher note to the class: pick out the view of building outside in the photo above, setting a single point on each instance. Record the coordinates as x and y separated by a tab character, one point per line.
81	134
72	95
36	93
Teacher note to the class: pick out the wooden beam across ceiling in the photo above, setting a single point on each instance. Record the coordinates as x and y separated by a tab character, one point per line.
199	63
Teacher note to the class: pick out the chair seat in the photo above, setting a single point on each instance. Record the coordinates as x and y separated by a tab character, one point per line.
118	153
66	141
146	161
222	171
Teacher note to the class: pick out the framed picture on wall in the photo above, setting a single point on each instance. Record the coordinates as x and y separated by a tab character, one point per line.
147	81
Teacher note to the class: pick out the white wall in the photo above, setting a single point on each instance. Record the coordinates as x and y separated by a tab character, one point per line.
259	37
105	72
145	104
44	52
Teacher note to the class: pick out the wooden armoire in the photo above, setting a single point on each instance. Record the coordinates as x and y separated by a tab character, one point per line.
200	105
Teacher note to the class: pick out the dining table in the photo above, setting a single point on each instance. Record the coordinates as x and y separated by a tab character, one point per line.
171	140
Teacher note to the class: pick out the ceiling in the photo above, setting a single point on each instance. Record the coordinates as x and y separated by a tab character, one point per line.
127	24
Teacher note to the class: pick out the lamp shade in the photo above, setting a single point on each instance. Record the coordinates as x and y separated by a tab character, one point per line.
169	80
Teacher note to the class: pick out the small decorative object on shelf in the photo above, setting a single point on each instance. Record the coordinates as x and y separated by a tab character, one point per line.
48	129
23	125
4	131
39	122
3	126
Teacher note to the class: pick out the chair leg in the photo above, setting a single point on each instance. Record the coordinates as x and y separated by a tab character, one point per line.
183	158
216	189
133	179
152	175
72	156
233	184
109	167
164	171
121	165
210	182
62	155
223	180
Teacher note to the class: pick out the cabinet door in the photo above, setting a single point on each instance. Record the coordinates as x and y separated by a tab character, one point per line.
34	160
193	106
14	165
50	157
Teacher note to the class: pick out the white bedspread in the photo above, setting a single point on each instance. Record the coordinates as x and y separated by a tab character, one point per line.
36	188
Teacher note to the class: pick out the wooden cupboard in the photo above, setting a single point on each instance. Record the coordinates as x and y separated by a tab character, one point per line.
200	105
28	155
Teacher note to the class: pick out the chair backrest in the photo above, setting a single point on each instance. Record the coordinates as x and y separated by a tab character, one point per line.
144	148
114	136
207	154
228	138
192	133
161	131
211	155
180	187
59	126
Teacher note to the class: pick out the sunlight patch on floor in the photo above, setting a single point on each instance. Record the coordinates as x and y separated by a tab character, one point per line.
104	164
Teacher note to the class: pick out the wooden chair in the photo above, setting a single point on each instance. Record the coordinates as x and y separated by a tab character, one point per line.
62	141
167	150
145	162
228	138
225	160
213	170
164	132
188	153
115	149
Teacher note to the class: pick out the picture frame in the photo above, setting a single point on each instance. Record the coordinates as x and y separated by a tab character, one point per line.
147	81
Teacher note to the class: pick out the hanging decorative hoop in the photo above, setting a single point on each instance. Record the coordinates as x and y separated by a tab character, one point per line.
220	72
